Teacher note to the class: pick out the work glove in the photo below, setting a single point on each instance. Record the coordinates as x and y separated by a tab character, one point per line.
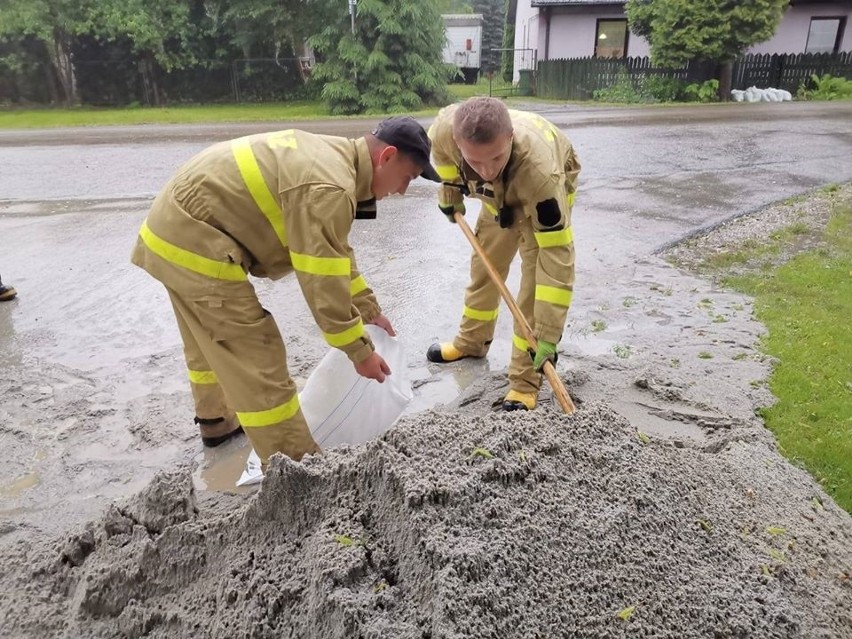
546	353
449	210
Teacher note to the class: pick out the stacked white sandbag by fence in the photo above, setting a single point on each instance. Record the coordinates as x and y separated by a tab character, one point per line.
753	94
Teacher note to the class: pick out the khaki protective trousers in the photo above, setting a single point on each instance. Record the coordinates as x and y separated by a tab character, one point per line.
482	297
237	364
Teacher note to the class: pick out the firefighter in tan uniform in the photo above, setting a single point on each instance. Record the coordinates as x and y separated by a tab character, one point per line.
269	205
524	170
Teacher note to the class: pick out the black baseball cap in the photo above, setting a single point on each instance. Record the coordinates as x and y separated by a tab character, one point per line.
406	134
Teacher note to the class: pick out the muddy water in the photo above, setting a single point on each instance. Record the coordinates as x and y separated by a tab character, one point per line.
94	397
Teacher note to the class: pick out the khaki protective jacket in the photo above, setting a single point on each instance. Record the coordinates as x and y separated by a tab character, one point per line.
269	204
538	184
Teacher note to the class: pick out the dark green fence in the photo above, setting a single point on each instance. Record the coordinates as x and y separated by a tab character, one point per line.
579	78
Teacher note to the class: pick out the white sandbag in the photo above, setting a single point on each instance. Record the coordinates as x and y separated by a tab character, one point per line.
737	95
786	96
341	407
752	94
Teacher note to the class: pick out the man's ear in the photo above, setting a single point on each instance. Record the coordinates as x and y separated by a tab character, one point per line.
386	154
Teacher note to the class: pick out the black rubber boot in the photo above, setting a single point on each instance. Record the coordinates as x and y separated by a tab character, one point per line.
217	431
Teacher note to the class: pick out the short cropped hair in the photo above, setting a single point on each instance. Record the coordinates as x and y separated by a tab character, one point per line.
481	120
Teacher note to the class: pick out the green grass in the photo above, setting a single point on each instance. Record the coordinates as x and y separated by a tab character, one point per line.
806	305
87	116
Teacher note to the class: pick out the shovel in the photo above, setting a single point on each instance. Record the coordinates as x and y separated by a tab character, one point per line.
556	384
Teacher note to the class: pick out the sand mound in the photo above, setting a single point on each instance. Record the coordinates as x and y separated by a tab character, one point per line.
461	525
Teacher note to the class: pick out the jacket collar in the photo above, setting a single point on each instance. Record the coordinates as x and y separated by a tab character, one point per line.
366	201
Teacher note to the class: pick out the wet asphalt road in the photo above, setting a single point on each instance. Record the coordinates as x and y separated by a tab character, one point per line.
90	354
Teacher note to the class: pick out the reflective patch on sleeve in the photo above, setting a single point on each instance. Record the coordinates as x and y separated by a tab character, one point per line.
357	285
548	239
339	340
447	172
313	265
548	212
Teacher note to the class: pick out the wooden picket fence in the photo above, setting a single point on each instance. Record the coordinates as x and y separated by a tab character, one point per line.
579	78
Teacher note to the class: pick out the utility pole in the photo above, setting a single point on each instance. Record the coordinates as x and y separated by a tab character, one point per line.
352	4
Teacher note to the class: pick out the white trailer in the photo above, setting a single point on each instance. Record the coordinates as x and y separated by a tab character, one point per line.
463	47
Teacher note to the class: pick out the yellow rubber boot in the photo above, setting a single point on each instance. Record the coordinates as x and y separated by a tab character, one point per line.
444	352
519	401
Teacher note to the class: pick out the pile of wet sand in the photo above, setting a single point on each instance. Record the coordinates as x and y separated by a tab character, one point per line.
462	525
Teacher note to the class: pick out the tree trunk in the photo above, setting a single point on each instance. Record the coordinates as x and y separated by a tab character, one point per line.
60	57
725	80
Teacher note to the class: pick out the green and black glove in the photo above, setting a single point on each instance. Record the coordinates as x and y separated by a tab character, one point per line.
452	208
546	353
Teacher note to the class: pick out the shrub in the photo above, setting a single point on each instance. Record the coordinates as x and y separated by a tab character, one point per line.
825	87
705	92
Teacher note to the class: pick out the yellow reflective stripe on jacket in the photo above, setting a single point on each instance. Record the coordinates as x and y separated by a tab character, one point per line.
558	296
570	198
345	338
190	261
520	343
447	172
357	285
261	418
548	239
257	187
491	208
321	265
482	316
203	377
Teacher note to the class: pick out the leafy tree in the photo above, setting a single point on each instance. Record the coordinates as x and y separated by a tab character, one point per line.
680	31
453	6
162	33
392	62
53	23
273	27
493	19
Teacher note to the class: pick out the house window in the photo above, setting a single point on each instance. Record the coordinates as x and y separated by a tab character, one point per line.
611	39
825	35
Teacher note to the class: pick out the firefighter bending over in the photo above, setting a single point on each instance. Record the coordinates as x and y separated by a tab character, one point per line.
524	170
268	205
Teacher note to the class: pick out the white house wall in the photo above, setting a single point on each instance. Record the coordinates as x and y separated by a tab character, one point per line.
792	33
572	31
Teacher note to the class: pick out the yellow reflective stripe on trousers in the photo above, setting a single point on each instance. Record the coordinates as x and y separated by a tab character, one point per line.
256	185
345	338
570	199
482	316
357	285
447	172
548	239
321	265
203	377
261	418
190	261
558	296
520	343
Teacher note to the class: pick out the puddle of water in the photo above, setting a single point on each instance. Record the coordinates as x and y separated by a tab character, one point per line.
657	426
20	485
594	346
219	468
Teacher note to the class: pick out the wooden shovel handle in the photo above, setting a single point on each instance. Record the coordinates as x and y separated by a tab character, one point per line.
556	384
